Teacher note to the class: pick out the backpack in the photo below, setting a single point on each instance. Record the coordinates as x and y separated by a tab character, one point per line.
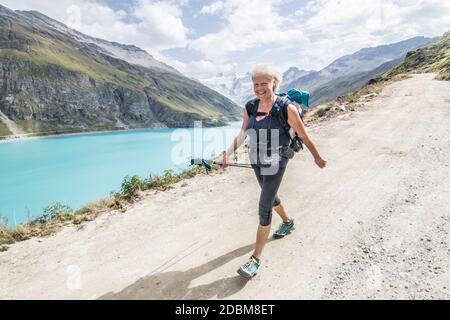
301	98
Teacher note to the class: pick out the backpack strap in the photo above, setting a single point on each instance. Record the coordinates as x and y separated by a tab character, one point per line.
282	113
252	106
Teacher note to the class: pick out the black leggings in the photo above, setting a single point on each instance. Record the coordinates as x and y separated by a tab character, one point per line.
268	198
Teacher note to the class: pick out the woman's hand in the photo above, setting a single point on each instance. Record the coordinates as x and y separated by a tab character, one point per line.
321	163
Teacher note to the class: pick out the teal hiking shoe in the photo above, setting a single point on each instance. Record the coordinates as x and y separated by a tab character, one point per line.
248	270
284	229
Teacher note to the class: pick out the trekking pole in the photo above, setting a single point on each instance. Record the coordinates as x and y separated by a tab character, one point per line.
207	164
239	165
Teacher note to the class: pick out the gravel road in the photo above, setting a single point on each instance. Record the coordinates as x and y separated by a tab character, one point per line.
374	224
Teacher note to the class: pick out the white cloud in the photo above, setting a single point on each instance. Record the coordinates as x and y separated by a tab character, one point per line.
250	24
319	32
162	23
252	31
100	21
213	8
202	68
209	67
342	27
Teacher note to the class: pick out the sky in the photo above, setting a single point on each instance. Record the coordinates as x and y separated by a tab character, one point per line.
204	38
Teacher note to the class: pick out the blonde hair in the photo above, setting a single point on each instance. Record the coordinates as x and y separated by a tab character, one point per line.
265	70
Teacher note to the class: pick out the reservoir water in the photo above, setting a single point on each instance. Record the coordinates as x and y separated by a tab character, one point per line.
76	170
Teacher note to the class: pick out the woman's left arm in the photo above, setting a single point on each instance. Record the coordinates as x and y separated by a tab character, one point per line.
296	123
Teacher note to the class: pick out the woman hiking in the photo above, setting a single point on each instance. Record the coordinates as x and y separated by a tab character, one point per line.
268	143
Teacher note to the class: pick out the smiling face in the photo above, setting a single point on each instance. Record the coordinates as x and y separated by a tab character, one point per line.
263	86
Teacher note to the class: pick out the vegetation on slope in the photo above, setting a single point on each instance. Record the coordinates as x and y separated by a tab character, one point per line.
434	57
58	215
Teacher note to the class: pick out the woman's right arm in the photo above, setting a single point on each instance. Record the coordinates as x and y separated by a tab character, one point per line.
237	141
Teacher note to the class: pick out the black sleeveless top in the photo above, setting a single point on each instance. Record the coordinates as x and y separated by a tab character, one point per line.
266	138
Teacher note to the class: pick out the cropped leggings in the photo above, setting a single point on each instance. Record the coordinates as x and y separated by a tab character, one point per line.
268	198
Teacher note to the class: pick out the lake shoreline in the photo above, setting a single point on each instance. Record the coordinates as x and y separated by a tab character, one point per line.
78	133
34	136
79	168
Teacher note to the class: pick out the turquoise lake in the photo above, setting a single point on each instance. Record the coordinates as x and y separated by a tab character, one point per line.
79	169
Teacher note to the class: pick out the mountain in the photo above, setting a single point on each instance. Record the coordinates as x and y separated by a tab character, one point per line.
345	84
343	75
434	57
53	78
294	73
349	73
129	53
361	61
239	88
236	87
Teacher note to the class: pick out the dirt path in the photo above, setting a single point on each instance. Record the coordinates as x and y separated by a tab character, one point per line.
374	224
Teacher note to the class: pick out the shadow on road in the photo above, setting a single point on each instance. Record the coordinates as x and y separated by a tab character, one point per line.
175	284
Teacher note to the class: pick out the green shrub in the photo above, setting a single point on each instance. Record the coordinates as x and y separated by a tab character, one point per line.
55	211
99	205
57	215
131	186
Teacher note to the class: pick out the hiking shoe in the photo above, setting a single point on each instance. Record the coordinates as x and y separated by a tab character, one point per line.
248	270
284	229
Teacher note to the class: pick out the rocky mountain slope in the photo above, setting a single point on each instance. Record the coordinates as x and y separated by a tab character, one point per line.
236	87
54	79
434	57
350	72
294	73
361	61
129	53
350	83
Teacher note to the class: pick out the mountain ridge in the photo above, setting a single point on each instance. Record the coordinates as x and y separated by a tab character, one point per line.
362	60
435	57
145	59
50	81
362	64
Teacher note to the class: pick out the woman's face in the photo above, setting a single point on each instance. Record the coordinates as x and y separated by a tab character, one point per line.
262	86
